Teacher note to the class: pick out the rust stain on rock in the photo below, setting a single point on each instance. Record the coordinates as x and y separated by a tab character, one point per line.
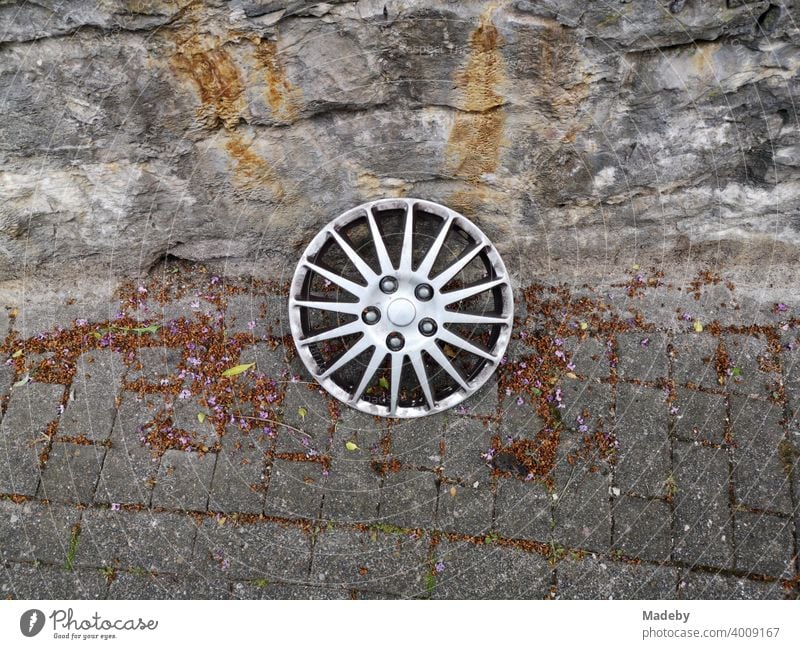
283	98
252	172
473	146
202	56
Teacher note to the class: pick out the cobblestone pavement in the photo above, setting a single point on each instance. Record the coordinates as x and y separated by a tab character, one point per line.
640	442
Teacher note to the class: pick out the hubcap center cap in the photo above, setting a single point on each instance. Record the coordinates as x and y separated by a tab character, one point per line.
401	312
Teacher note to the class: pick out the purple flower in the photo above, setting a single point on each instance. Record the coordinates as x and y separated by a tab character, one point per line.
560	354
520	401
251	325
687	317
488	455
673	410
781	307
185	394
439	567
214	280
558	342
81	322
115	507
571	366
195	304
644	342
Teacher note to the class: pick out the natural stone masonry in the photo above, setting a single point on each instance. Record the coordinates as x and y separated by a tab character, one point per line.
592	477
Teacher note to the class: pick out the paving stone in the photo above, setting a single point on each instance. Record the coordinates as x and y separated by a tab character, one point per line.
520	420
5	322
238	482
416	443
245	313
591	401
582	512
465	439
184	417
703	525
705	585
32	530
184	480
72	472
351	492
408	499
474	571
694	360
43	309
589	356
366	431
189	306
257	550
591	578
92	406
260	590
764	544
153	364
295	489
392	563
6	379
469	511
760	479
642	356
523	510
31	409
643	528
129	468
314	424
146	540
271	362
643	460
748	353
130	586
701	416
26	581
484	403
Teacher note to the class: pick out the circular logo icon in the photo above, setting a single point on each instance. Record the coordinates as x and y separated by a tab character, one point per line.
31	622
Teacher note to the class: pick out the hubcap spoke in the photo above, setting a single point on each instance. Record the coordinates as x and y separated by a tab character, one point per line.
408	239
422	377
470	291
464	317
351	308
342	330
444	362
397	370
358	261
361	346
463	343
372	367
380	245
457	266
433	252
351	287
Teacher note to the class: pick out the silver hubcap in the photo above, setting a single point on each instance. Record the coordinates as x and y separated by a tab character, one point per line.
401	308
401	312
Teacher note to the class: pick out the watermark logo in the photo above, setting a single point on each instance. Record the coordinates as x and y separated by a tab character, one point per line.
31	622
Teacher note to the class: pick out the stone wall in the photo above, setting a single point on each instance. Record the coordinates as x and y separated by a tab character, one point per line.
583	135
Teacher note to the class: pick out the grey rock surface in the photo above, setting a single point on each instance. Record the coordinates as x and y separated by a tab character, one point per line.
599	132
